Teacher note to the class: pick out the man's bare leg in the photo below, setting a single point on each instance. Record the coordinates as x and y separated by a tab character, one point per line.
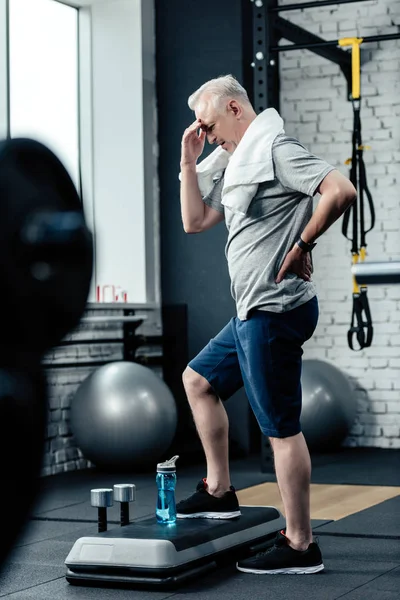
212	426
293	472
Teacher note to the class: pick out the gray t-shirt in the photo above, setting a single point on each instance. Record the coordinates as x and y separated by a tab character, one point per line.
259	241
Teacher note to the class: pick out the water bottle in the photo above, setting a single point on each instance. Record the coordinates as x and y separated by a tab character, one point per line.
166	482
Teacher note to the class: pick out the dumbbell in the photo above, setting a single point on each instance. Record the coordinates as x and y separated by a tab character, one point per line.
124	493
102	499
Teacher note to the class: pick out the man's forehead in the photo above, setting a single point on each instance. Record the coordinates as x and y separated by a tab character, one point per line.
204	111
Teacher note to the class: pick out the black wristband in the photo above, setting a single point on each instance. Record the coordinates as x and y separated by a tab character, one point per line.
304	246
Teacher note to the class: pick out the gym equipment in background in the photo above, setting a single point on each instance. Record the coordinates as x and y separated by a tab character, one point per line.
329	405
104	498
361	327
375	273
46	258
147	553
123	416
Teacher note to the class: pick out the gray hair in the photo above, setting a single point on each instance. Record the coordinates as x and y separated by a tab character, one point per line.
225	86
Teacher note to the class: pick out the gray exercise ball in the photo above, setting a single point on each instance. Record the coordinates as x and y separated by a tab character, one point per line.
123	416
329	405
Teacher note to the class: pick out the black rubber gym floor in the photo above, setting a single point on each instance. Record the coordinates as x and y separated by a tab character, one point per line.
361	552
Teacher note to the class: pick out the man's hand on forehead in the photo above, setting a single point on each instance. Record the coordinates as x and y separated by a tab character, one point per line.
203	126
192	142
196	125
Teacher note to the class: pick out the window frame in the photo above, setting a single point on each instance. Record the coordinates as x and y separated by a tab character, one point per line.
89	164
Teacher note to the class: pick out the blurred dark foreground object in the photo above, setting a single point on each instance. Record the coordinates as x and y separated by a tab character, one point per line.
46	265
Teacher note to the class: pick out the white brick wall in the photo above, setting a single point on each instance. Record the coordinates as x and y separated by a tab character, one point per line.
316	110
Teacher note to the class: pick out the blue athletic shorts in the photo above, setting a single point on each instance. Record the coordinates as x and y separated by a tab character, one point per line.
263	354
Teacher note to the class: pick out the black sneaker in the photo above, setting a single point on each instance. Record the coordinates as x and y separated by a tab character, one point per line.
202	505
281	558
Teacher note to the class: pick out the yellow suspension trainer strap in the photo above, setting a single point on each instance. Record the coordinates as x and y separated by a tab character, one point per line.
361	321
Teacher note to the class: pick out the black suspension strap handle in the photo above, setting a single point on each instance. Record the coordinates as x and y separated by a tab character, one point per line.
361	322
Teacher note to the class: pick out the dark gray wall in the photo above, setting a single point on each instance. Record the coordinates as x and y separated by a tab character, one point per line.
195	41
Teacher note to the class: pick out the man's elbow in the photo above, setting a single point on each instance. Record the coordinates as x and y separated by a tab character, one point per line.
346	195
191	228
351	195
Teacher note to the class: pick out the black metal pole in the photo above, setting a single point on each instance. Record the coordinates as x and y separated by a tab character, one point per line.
260	46
366	39
301	37
272	38
311	5
265	94
8	74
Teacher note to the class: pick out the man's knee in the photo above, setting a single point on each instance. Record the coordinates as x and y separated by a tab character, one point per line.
283	441
195	383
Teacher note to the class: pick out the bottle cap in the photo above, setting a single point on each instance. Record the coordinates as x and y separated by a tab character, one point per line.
168	466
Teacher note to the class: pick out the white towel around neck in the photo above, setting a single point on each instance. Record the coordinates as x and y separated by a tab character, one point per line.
249	165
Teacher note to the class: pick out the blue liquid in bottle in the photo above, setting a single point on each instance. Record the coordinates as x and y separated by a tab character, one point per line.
166	483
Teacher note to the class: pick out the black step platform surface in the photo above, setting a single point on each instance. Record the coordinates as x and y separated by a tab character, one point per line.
186	533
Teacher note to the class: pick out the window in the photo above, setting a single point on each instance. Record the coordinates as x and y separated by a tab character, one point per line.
44	77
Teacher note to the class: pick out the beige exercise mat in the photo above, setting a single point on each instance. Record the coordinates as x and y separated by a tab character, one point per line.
327	501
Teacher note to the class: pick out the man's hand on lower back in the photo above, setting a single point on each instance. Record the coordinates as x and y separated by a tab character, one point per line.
297	262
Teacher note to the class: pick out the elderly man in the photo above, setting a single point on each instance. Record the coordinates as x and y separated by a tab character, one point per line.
262	183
